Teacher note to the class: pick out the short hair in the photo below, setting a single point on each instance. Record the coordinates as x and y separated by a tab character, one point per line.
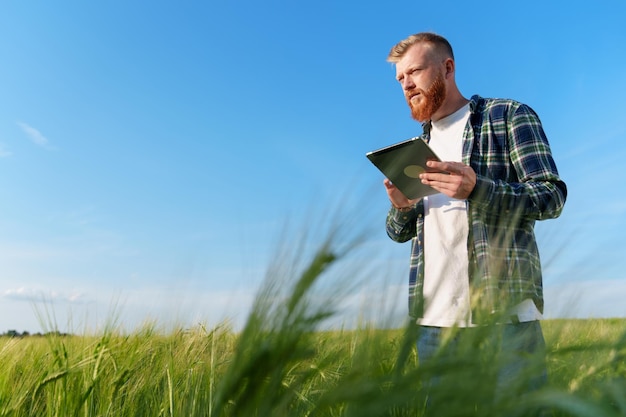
439	43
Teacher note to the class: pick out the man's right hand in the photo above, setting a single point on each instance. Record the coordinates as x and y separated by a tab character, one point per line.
396	197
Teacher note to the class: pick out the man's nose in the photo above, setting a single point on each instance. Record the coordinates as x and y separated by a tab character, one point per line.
407	84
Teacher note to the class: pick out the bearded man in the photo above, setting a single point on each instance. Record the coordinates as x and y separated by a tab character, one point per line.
474	259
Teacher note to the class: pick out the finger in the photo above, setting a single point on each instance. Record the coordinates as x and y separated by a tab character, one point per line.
444	188
448	167
433	177
436	165
437	185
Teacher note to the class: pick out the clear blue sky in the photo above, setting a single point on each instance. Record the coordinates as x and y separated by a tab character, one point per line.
153	152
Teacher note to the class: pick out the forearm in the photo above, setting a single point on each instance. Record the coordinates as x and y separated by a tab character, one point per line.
533	200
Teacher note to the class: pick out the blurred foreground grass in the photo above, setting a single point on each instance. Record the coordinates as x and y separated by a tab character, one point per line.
283	363
216	372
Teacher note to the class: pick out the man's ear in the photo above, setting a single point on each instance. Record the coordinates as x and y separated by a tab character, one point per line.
449	64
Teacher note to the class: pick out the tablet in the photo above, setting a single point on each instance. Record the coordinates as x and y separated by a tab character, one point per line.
403	162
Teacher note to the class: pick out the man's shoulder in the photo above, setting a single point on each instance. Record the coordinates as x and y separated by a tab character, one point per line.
479	102
497	107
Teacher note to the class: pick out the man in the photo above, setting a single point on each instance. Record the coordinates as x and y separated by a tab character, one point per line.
474	258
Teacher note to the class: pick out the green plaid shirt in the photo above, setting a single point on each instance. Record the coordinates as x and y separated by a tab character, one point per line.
517	184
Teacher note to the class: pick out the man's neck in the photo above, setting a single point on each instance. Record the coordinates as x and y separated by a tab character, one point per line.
451	105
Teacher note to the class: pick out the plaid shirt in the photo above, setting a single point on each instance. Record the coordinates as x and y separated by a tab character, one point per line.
517	183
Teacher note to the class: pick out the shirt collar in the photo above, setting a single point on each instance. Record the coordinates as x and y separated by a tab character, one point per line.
474	106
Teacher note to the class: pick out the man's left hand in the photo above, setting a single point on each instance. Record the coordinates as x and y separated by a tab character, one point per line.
459	182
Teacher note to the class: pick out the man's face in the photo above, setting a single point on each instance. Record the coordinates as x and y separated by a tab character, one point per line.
422	82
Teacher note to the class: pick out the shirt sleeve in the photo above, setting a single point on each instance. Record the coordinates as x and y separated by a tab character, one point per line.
401	225
538	192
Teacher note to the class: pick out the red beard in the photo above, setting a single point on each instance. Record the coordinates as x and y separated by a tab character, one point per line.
430	101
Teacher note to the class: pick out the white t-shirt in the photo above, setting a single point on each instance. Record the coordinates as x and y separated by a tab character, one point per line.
446	275
446	283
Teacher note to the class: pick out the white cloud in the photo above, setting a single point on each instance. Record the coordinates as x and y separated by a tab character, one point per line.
19	294
35	135
34	295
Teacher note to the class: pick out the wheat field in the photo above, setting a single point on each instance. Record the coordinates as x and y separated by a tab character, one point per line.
284	363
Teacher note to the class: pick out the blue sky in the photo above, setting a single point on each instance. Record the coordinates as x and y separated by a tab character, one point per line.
154	154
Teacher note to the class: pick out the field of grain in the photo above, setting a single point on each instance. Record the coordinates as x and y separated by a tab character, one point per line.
283	363
293	372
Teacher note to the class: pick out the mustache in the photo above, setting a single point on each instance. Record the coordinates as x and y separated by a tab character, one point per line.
409	94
